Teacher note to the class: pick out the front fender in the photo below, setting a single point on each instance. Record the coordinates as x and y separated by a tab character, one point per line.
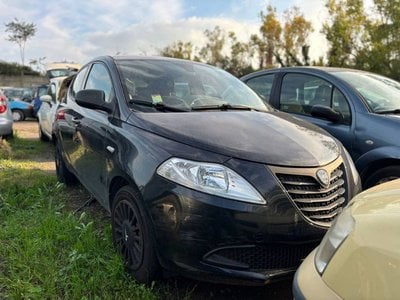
377	154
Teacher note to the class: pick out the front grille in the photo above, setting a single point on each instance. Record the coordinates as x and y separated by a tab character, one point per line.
317	203
263	258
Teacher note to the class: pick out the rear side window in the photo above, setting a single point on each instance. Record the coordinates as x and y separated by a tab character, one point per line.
78	82
262	85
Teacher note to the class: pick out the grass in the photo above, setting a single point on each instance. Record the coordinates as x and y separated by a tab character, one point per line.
46	250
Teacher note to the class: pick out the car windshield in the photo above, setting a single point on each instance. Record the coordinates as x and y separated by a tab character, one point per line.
380	93
184	86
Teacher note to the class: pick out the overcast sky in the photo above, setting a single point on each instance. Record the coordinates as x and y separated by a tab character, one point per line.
80	30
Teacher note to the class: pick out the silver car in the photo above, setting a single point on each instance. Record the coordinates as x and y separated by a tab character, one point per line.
6	119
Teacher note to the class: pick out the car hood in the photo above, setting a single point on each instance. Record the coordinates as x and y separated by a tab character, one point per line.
272	138
383	199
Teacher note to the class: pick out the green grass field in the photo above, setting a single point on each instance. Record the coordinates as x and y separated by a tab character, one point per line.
47	250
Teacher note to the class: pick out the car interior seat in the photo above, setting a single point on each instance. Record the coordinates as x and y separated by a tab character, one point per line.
289	99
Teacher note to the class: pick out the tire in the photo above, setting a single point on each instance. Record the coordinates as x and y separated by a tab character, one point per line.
18	115
63	174
382	175
132	236
42	136
8	136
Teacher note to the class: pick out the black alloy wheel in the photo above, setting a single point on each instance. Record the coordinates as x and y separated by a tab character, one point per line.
131	236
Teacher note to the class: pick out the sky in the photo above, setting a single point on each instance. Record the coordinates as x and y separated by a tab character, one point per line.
79	30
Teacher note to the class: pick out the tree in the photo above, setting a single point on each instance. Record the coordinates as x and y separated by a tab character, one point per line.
295	33
382	52
270	30
19	33
212	52
39	64
178	49
345	31
283	43
239	62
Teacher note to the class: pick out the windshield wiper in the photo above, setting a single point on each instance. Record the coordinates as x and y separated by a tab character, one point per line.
157	105
389	111
224	106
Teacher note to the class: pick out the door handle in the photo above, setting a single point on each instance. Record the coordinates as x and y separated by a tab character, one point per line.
110	149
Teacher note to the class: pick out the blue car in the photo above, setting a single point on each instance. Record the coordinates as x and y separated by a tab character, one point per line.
20	109
360	109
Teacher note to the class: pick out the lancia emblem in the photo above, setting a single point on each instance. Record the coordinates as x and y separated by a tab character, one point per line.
323	177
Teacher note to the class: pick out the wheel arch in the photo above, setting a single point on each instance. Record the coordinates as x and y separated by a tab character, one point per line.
374	166
377	158
115	184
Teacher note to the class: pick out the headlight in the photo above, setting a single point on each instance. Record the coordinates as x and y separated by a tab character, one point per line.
353	168
335	236
210	178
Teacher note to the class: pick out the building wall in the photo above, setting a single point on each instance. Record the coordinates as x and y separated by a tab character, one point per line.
18	81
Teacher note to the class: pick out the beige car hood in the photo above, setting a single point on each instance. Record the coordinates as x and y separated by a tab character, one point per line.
367	264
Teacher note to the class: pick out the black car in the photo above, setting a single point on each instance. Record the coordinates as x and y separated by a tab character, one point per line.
359	108
200	176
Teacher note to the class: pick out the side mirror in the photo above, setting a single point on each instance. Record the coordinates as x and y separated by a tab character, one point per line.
46	98
325	112
93	99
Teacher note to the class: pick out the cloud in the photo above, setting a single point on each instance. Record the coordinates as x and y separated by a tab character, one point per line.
149	38
79	30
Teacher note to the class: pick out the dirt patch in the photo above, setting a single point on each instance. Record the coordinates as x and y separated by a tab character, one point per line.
27	129
30	130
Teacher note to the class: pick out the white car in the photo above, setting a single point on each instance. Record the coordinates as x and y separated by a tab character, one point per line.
50	102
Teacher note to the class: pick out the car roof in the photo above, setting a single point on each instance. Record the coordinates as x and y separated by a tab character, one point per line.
310	69
148	58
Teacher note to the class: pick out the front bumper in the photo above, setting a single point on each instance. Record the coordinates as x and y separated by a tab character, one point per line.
308	283
28	112
221	240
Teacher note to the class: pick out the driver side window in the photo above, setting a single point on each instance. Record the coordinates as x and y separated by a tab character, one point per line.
300	92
